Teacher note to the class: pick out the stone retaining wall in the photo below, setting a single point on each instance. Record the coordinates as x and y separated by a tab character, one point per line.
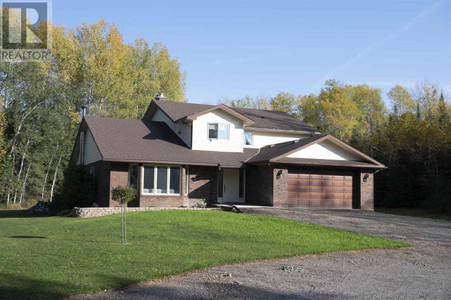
90	212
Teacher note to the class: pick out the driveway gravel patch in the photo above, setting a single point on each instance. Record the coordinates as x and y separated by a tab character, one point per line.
419	272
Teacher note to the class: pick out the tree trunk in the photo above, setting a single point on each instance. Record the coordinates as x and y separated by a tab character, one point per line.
47	175
122	223
20	126
125	223
54	179
21	168
24	184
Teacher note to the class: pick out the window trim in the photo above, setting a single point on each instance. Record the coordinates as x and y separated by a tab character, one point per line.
168	182
186	191
218	124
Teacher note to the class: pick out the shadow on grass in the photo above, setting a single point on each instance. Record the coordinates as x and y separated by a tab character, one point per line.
22	287
4	214
27	237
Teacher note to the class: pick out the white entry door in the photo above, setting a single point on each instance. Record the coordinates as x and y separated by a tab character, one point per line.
230	186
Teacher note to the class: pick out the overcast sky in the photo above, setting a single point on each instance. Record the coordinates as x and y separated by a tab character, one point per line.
230	49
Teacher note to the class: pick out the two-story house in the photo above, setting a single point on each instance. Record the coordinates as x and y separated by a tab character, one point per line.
180	153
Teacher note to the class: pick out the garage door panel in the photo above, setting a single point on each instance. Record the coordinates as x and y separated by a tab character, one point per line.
320	190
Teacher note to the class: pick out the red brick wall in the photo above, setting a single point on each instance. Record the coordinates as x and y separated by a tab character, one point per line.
280	194
203	184
367	191
161	201
118	176
102	178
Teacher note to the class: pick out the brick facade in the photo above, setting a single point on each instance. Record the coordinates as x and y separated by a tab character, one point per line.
280	179
265	185
118	176
101	172
203	184
367	191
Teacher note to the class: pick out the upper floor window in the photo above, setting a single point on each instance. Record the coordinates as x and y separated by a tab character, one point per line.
248	138
218	131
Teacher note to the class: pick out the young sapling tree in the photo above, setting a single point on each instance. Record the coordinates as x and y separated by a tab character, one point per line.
123	195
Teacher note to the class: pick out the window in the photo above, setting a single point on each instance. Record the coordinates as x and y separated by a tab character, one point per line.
162	180
148	185
133	175
213	131
218	131
174	180
92	171
223	131
248	138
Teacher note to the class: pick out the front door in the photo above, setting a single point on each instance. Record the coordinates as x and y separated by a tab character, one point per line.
229	185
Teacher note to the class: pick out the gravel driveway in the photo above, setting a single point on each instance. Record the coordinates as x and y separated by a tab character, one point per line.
419	272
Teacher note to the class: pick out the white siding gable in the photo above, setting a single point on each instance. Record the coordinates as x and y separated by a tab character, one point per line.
262	139
181	130
325	150
91	153
200	132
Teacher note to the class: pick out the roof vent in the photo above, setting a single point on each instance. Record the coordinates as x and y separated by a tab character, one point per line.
160	97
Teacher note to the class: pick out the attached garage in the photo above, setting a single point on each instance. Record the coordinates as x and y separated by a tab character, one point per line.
328	190
319	171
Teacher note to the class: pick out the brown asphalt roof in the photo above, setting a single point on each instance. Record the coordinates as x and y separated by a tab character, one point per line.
264	119
180	110
140	141
126	140
271	119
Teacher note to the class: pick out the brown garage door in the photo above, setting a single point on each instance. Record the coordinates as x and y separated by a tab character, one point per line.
319	190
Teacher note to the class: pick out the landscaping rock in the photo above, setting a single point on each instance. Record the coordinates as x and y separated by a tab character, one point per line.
40	207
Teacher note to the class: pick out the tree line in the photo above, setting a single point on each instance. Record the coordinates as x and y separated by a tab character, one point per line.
412	136
40	101
91	65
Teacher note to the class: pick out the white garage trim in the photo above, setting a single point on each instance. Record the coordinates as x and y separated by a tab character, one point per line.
340	151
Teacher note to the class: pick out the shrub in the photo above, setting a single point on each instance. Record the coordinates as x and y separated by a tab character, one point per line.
123	194
78	189
200	204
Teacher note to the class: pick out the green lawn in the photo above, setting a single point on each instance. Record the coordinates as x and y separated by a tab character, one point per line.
54	257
